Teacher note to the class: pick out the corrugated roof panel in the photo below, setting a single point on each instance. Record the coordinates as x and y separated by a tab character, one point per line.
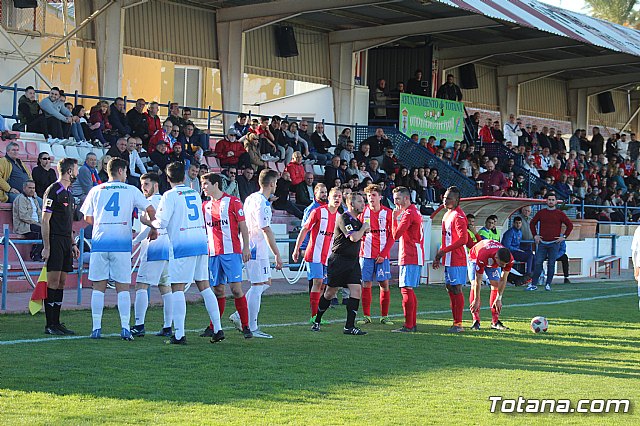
312	63
558	21
544	98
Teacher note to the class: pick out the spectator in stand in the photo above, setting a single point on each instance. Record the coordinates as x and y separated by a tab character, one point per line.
181	156
229	150
58	117
160	157
286	141
119	150
246	184
136	167
99	119
543	138
191	178
43	175
512	240
376	174
319	146
585	144
393	111
295	169
333	172
88	177
30	115
390	162
13	174
485	134
530	166
378	143
526	243
253	158
77	131
303	132
597	142
512	130
241	126
27	214
137	119
304	190
362	172
154	124
229	181
449	90
202	136
364	153
379	99
494	182
574	141
281	200
343	139
268	148
431	145
174	115
190	143
102	170
525	139
347	153
165	134
118	118
417	86
497	134
296	141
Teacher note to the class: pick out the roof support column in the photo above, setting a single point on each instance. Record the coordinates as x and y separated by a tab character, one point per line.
579	108
231	59
342	63
109	33
508	96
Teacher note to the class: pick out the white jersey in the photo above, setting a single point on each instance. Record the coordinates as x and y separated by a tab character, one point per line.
257	211
111	204
180	213
157	249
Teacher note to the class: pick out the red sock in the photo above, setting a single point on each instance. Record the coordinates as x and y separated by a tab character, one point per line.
407	301
366	301
495	315
314	300
222	301
414	315
457	314
385	301
452	305
243	311
476	315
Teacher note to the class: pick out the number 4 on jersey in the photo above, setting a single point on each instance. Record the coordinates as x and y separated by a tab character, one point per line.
113	205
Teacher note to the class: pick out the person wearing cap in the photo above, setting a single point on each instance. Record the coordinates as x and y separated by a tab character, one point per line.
229	149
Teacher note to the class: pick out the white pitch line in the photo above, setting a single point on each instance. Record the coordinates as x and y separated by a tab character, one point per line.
301	323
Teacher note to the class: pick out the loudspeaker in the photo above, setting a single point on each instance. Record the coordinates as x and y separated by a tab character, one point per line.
286	45
606	102
25	4
468	79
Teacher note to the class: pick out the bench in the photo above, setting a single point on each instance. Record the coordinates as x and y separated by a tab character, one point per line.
607	262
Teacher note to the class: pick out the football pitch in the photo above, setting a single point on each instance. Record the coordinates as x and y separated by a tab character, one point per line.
592	351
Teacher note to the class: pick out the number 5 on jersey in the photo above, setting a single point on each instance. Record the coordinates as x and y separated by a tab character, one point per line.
193	206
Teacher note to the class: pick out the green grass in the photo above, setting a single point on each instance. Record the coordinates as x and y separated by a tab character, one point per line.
592	350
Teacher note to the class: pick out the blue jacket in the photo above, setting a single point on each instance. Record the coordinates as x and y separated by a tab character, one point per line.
511	239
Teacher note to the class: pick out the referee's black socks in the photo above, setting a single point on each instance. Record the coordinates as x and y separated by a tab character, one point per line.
352	311
52	305
58	305
323	305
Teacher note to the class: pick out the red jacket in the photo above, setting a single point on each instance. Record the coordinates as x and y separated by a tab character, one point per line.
296	171
97	116
485	135
157	137
153	123
223	147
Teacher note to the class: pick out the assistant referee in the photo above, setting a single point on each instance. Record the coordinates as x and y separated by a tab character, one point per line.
343	268
57	238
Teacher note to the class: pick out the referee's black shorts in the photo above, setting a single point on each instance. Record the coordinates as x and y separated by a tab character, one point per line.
60	257
342	271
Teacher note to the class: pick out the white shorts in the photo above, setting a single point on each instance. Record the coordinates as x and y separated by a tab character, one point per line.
115	266
186	270
154	273
258	270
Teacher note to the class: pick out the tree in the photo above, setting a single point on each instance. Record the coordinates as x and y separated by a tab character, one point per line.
623	12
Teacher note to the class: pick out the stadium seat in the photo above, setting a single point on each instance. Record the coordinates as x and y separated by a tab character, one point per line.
3	147
72	152
58	152
44	147
99	153
212	162
83	152
31	148
280	166
9	122
318	170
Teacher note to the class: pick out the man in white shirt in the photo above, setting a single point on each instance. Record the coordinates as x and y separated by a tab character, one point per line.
136	166
512	130
180	213
635	257
257	210
109	208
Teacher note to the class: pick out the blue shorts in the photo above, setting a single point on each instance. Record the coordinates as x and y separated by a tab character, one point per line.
372	271
316	271
225	268
493	274
409	276
455	275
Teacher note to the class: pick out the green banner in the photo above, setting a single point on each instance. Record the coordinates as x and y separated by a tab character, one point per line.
431	117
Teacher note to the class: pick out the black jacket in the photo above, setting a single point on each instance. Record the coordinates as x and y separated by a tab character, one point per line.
246	187
302	194
450	92
138	123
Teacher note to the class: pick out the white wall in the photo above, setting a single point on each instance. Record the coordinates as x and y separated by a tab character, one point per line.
12	63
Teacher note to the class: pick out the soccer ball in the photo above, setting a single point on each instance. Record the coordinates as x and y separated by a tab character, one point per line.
539	325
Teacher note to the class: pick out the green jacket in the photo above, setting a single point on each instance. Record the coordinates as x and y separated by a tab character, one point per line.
488	235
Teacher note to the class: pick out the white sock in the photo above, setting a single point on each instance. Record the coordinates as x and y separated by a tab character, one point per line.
124	307
254	297
97	306
211	304
179	312
167	308
140	306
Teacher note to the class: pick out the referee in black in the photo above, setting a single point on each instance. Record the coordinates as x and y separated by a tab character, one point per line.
57	237
343	268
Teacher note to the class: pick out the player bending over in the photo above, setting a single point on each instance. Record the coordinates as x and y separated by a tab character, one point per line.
180	213
224	218
374	254
343	269
496	260
154	264
109	208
